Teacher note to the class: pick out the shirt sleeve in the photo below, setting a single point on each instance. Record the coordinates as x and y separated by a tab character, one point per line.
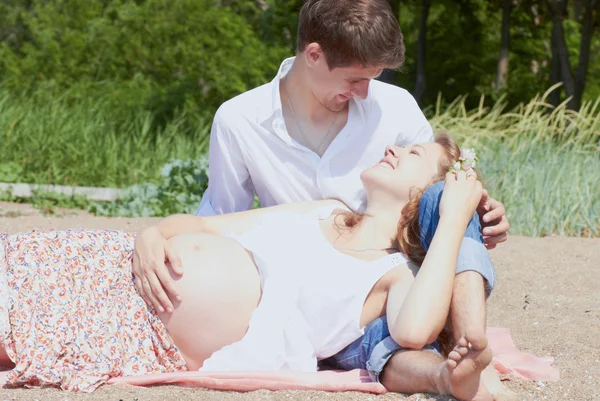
230	188
415	127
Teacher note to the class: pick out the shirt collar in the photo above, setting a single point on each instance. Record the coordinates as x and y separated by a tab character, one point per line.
362	106
275	109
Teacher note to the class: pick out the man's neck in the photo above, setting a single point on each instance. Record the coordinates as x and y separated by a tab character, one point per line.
305	104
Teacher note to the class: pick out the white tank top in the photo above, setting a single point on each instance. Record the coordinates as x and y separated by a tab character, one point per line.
312	298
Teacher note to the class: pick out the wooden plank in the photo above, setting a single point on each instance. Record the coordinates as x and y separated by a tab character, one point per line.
93	193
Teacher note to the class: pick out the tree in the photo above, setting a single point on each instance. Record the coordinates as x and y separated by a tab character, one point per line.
560	52
574	84
502	69
421	51
592	8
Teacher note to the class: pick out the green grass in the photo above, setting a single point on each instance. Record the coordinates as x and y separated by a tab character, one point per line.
544	166
56	142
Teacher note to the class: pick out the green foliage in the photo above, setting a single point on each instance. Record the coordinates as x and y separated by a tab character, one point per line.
49	202
179	191
47	140
174	55
542	166
463	45
10	172
103	93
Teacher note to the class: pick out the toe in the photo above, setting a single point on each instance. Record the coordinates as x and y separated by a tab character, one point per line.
463	342
455	356
477	338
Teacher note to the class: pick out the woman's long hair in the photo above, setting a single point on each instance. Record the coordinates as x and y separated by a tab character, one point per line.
408	239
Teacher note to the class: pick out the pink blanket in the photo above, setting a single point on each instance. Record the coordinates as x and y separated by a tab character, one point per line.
508	361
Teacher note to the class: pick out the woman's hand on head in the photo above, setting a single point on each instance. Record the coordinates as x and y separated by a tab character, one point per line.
152	277
461	196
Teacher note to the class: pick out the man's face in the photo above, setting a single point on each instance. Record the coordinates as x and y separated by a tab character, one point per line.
334	88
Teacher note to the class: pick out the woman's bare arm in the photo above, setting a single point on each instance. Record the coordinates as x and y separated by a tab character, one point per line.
417	309
238	222
417	318
154	258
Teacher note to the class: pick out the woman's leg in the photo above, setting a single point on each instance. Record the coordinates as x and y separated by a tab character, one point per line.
220	288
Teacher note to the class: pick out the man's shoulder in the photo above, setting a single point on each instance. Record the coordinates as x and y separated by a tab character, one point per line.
400	113
392	95
245	106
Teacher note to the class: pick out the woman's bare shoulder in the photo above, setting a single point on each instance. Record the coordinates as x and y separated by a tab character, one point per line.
308	206
402	272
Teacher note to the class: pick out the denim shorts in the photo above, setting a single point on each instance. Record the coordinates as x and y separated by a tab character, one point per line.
371	351
376	346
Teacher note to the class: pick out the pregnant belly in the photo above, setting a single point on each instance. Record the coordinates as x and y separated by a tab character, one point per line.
220	288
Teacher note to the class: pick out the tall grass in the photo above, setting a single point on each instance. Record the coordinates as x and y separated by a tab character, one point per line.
543	163
57	141
544	166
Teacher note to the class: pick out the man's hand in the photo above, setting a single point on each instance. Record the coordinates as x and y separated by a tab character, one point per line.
493	221
152	276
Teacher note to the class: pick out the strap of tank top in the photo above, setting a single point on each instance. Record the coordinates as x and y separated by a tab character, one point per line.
395	259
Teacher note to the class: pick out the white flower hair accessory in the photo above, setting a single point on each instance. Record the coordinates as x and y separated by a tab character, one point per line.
466	162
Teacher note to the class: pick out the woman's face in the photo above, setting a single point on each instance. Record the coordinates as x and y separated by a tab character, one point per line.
403	168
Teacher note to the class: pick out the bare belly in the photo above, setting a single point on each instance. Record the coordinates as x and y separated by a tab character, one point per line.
220	289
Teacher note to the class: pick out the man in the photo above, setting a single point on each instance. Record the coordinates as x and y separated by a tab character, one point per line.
307	135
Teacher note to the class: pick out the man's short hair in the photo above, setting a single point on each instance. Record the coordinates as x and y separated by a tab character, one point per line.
352	32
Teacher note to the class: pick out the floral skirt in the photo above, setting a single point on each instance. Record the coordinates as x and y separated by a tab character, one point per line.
70	315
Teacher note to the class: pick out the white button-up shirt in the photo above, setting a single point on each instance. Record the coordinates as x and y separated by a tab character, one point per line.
252	152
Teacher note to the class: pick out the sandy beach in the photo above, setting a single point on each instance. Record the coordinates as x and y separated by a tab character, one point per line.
548	294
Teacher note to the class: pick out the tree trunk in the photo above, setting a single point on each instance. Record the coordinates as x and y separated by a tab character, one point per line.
578	10
502	70
559	47
554	97
587	30
421	52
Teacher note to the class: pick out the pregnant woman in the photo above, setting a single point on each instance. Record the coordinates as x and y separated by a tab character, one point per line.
270	289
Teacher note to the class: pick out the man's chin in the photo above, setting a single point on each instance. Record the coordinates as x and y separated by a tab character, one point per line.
337	106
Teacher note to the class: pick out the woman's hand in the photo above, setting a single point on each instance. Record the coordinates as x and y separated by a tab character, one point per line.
461	196
152	276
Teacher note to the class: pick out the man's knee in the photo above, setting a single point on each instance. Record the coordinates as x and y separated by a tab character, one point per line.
472	255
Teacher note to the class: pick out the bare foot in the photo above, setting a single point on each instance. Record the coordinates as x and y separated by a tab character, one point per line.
463	372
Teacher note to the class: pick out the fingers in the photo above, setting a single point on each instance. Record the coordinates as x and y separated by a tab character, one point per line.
140	289
175	262
496	227
167	283
161	299
138	273
492	241
147	293
461	175
496	211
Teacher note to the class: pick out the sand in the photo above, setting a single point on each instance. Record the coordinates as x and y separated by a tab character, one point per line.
548	294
